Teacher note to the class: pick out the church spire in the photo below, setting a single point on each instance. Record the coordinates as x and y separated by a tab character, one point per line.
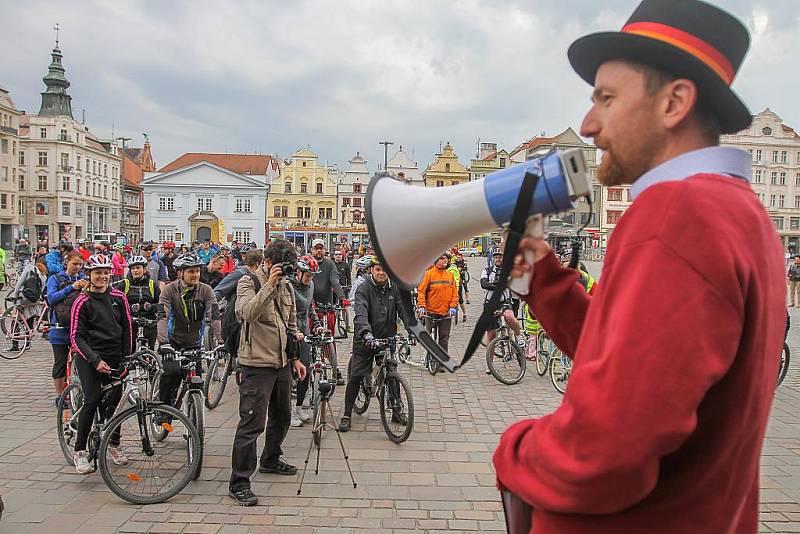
55	100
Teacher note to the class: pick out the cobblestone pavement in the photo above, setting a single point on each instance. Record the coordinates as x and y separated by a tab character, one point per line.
440	480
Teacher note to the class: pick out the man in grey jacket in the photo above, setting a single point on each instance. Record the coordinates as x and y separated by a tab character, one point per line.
267	311
326	292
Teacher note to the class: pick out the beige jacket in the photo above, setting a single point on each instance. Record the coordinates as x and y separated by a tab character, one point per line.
262	341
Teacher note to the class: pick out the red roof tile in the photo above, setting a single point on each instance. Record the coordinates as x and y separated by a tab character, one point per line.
240	163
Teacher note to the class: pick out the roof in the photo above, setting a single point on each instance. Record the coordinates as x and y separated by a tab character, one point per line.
239	163
134	153
790	130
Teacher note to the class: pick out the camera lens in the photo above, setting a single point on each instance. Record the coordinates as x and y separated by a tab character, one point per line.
288	269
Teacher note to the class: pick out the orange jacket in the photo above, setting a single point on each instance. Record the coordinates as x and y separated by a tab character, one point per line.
437	292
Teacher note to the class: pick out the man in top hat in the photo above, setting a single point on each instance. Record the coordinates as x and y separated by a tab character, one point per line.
676	354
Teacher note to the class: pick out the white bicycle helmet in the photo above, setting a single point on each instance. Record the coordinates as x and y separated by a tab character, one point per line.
137	260
97	261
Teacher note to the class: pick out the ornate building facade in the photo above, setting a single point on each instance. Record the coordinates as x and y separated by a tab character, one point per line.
445	170
352	192
403	168
135	163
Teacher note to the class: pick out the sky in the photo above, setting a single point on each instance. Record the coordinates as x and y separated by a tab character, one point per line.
340	76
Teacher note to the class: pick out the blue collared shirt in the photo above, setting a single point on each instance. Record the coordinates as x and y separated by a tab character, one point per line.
711	160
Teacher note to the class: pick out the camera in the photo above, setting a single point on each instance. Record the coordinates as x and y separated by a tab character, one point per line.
287	268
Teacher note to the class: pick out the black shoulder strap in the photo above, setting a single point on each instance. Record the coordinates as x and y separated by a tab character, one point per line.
515	233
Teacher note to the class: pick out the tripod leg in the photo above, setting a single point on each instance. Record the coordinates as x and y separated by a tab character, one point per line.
305	467
344	452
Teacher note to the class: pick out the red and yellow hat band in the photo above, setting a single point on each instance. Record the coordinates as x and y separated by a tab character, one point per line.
687	42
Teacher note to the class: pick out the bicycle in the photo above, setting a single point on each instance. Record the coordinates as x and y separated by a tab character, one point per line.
329	350
320	370
546	348
216	378
342	322
17	335
504	357
390	387
404	345
190	394
560	369
155	471
432	364
783	368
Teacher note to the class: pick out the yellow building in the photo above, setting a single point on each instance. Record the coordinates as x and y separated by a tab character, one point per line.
489	160
304	195
445	170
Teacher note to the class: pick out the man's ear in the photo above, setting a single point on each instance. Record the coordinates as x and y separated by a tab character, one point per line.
679	99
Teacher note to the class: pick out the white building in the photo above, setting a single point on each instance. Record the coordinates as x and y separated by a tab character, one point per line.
352	191
203	201
69	180
403	168
775	148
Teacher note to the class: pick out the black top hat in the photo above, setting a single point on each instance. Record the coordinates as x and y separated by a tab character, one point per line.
688	38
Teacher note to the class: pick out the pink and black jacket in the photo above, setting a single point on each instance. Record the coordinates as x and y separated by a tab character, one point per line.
100	327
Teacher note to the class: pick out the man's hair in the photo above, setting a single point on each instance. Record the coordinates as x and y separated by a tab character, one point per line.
796	256
655	79
72	255
280	250
254	258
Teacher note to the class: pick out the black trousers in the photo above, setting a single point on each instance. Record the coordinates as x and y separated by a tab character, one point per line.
92	382
263	391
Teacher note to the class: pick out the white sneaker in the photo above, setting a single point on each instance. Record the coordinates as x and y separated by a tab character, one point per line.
302	414
488	371
82	465
117	455
295	422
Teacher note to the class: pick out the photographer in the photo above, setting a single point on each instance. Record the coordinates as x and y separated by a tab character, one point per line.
265	305
676	355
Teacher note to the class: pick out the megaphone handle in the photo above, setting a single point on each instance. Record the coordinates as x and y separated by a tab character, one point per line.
534	228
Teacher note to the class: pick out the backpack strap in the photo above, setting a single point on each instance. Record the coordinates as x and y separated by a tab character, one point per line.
152	288
126	285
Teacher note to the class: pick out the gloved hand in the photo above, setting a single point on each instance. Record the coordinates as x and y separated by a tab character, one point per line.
370	341
345	302
453	312
421	312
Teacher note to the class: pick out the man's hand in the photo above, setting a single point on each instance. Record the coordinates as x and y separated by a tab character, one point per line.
275	275
453	312
300	369
299	336
370	341
103	367
421	312
540	249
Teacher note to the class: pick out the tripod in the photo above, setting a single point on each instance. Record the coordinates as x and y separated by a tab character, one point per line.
321	424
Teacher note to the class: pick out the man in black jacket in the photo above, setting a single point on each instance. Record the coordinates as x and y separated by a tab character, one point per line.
327	291
377	309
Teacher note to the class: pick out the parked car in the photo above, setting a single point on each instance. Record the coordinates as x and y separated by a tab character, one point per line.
470	252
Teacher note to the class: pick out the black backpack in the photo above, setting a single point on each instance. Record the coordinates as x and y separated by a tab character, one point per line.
63	307
231	326
32	287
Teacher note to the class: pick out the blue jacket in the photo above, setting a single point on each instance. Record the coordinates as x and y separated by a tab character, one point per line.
59	336
206	255
55	263
227	287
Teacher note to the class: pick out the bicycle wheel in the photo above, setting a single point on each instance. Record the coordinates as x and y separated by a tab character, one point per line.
69	406
156	470
215	381
397	408
404	352
784	366
318	416
158	430
341	324
16	338
194	410
543	354
364	396
505	361
431	364
560	369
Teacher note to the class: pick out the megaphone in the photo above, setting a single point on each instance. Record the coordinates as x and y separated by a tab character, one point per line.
410	226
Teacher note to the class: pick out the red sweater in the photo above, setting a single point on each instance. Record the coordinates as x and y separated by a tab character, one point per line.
675	362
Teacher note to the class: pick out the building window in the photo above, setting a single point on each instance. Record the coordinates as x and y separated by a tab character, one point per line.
3	201
65	209
502	163
243	205
62	135
453	182
105	191
794	223
439	183
797	179
783	178
321	213
78	209
41	208
357	202
784	156
242	235
772	201
20	206
42	133
345	202
42	186
166	203
204	204
87	187
105	170
303	187
299	212
64	160
797	202
446	167
284	211
774	180
287	187
4	173
304	164
276	211
22	157
781	201
615	195
307	212
65	183
613	216
166	234
356	188
757	177
4	146
774	156
319	188
22	182
42	159
94	167
758	155
114	214
778	222
78	162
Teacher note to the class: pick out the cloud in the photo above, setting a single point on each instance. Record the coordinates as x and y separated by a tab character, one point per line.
274	76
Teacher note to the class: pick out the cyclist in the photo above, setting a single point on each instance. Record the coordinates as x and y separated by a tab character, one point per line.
584	278
327	291
118	262
211	273
437	298
463	296
140	289
168	258
363	268
28	293
489	282
156	268
456	272
62	290
55	258
303	285
228	262
377	311
184	307
342	269
100	334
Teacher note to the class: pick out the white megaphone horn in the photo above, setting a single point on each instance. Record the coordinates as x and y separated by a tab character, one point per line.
410	226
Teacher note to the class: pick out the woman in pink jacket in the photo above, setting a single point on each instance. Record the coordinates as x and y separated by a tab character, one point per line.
118	263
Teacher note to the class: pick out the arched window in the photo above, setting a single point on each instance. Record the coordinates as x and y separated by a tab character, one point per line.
446	167
287	187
